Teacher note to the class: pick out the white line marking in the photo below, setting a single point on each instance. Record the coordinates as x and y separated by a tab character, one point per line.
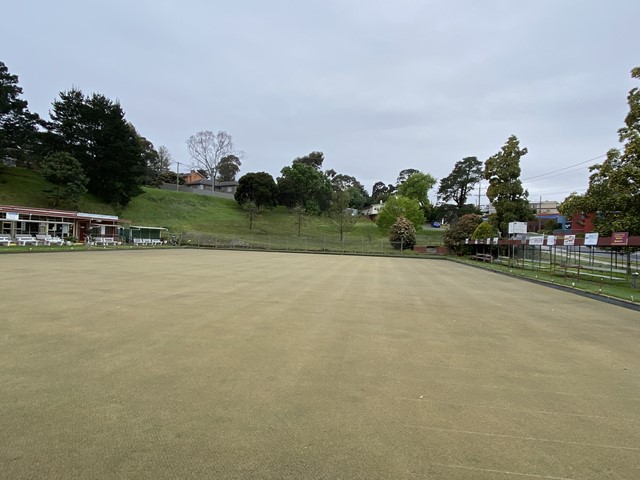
517	410
505	472
502	387
531	439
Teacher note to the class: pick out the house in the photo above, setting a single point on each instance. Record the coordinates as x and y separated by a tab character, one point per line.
18	220
222	187
372	211
192	177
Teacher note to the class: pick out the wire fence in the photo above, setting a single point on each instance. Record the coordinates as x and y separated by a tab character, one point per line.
366	245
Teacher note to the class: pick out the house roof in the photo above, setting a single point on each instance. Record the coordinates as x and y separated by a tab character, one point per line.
52	212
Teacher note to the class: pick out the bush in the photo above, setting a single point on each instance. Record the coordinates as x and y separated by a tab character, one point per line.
484	230
403	234
464	228
395	207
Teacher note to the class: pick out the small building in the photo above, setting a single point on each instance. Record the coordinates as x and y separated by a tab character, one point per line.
17	220
130	233
372	211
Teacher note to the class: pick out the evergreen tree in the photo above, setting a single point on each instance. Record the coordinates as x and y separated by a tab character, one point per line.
614	185
93	129
505	190
67	176
18	126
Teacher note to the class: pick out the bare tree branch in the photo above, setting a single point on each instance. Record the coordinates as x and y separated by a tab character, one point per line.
207	149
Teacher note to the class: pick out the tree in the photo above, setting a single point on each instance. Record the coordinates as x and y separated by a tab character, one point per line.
258	188
18	126
458	184
417	186
252	211
404	174
358	195
303	184
614	185
314	159
207	149
340	213
463	229
381	192
67	176
484	230
159	165
93	129
505	191
448	213
228	168
403	234
299	217
400	206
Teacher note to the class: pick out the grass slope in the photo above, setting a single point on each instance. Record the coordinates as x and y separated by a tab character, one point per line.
185	212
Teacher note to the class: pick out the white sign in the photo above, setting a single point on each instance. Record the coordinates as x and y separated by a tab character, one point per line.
551	240
496	239
537	240
517	227
569	240
591	238
13	216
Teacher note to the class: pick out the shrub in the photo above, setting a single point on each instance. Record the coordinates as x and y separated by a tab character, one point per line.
403	234
464	228
484	230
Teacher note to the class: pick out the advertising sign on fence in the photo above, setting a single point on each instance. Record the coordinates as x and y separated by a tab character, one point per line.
495	240
619	238
537	240
551	240
591	239
569	240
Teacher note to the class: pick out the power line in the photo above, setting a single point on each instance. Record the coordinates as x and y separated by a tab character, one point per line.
563	169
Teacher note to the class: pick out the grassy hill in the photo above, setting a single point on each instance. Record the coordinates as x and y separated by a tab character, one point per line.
190	213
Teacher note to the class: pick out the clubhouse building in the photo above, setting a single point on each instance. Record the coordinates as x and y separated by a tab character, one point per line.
17	220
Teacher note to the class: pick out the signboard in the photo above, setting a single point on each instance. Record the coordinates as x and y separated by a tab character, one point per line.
591	239
466	241
619	238
551	240
536	240
569	240
517	227
495	240
97	216
13	216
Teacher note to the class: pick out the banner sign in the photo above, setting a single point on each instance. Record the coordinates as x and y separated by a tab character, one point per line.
551	240
619	238
569	240
591	238
13	216
495	240
536	240
517	227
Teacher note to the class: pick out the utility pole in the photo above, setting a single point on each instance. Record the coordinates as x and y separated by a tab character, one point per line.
178	177
479	193
540	213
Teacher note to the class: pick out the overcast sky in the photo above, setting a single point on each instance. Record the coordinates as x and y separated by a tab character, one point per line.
378	86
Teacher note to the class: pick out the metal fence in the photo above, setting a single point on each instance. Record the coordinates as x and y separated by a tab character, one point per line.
366	245
587	262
